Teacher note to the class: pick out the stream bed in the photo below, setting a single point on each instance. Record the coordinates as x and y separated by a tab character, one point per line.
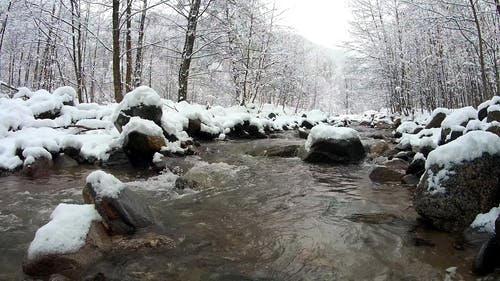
270	218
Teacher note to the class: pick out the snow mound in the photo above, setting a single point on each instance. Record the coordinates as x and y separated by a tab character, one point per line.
42	101
65	93
104	184
30	154
66	232
459	116
466	148
326	132
486	222
142	95
407	127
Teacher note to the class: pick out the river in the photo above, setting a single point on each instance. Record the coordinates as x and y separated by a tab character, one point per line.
271	218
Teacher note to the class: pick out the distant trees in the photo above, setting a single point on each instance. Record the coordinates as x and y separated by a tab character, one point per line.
225	51
425	54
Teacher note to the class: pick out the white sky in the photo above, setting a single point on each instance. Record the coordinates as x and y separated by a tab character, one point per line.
324	22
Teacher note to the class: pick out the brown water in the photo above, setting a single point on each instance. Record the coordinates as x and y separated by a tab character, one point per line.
274	219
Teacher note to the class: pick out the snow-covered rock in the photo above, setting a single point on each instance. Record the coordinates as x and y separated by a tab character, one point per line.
333	145
142	102
460	181
437	117
140	140
122	210
407	127
67	95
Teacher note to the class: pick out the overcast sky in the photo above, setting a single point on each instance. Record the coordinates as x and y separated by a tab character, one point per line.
322	21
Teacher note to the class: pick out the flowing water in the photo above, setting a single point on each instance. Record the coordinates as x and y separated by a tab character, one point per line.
270	218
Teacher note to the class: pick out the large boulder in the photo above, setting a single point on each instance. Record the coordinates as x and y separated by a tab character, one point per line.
462	179
122	210
483	108
142	102
493	113
140	140
329	144
437	117
71	242
37	162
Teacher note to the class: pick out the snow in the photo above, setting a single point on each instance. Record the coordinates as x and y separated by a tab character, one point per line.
66	93
459	117
486	222
66	232
466	148
143	126
494	107
424	138
42	101
407	127
324	132
475	125
419	156
104	184
158	157
30	154
142	95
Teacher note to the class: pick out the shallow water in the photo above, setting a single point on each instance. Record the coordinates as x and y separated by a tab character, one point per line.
274	219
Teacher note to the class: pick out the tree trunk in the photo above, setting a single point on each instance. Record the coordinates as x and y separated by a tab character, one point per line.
140	42
128	47
117	79
4	25
188	49
484	77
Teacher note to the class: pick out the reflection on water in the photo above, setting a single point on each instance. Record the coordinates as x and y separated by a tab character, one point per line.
282	220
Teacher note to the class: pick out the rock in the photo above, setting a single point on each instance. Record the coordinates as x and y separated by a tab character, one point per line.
396	123
63	161
140	148
404	155
448	135
416	167
410	179
436	120
194	130
71	265
306	124
288	151
205	175
271	116
379	148
142	102
488	257
450	196
303	133
122	210
327	144
495	129
117	157
493	115
336	151
37	162
247	131
397	164
384	174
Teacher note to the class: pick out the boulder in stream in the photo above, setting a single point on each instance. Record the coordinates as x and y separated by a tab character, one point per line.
329	144
71	242
140	140
142	102
461	180
122	210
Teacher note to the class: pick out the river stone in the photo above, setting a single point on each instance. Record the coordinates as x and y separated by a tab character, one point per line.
416	167
495	129
493	115
140	148
488	257
149	112
336	151
303	133
436	120
194	130
246	131
471	187
379	148
122	215
291	150
385	174
410	179
306	124
72	265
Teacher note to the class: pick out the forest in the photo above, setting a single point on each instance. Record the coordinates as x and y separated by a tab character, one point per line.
403	54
